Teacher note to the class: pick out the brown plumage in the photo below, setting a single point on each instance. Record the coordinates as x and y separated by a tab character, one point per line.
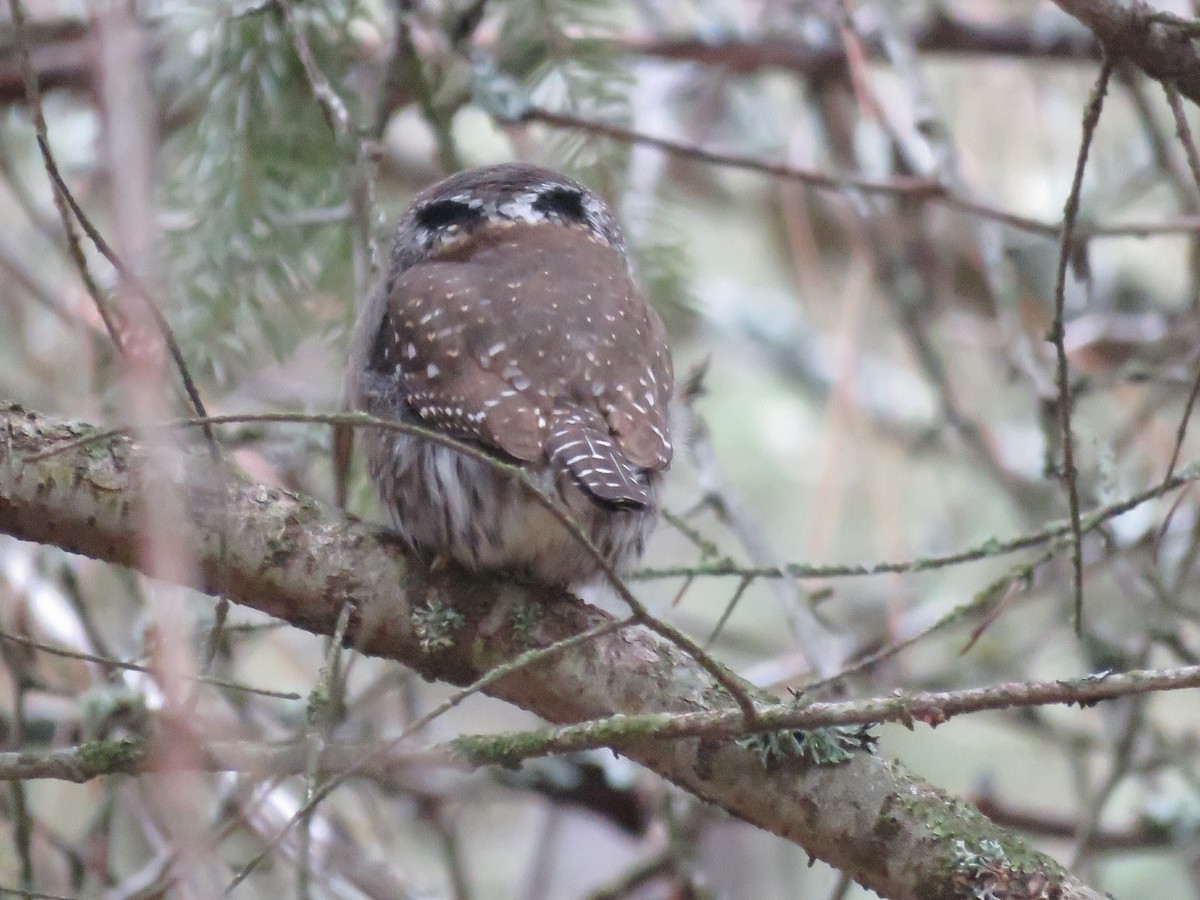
510	319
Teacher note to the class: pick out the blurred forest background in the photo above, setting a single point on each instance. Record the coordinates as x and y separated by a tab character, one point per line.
851	210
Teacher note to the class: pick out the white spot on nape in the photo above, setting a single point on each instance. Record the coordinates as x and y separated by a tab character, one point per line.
497	348
411	350
432	371
649	398
520	208
521	382
489	404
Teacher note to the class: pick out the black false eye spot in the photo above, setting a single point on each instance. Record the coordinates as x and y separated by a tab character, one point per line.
563	202
444	213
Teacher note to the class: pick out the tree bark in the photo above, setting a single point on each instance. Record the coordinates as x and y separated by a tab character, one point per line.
1167	53
297	560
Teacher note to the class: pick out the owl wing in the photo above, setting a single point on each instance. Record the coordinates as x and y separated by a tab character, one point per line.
637	408
423	343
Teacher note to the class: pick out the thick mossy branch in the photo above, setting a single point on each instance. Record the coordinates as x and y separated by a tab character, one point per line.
299	561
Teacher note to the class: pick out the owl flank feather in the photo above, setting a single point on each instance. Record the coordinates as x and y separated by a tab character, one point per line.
510	319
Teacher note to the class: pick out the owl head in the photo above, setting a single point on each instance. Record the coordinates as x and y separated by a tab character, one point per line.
448	213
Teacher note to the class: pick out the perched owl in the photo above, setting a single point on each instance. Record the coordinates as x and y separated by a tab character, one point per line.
510	319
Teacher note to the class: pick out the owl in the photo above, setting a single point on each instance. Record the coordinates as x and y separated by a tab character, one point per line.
510	320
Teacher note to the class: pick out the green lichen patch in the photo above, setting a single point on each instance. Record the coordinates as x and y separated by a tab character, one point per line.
818	747
118	755
524	618
435	625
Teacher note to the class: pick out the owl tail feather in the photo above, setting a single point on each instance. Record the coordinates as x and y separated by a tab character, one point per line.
580	443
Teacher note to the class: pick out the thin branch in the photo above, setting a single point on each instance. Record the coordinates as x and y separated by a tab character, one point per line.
87	761
900	185
111	663
940	34
1184	131
930	708
139	289
33	94
983	603
359	175
1141	836
906	186
987	550
407	73
933	708
1069	474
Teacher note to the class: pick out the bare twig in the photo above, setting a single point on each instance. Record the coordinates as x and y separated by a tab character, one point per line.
987	550
912	186
34	94
109	662
1069	474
